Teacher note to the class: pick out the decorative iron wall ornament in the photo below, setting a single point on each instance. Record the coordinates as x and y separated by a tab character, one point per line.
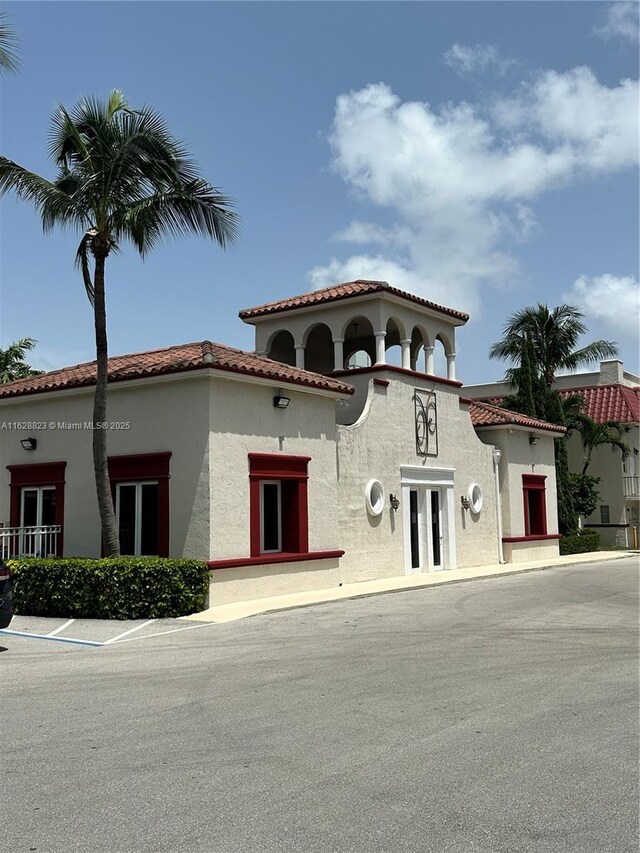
426	423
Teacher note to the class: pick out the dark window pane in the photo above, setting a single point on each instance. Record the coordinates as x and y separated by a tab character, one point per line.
435	527
149	519
48	506
30	507
290	514
415	533
605	516
270	517
535	510
127	519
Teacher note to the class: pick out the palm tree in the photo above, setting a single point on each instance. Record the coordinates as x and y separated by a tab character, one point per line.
593	435
121	177
12	361
554	334
8	47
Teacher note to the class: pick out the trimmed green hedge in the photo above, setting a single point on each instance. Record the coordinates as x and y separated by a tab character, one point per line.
110	588
580	542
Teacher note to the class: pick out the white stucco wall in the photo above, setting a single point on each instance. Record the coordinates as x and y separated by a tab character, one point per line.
378	445
520	457
607	465
166	415
243	420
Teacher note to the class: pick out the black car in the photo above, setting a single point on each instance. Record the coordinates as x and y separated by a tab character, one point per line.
6	598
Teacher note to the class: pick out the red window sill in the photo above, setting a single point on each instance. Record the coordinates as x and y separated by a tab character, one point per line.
535	538
268	559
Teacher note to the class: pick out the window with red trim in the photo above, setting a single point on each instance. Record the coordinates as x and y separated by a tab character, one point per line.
278	504
37	497
535	504
140	490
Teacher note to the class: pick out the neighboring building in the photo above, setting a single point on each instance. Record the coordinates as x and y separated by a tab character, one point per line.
283	468
611	394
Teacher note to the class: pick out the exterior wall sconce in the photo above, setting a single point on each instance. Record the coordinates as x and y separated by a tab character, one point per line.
281	402
29	443
533	439
394	501
464	500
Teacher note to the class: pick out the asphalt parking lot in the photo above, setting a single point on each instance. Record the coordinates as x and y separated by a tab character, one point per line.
494	716
94	632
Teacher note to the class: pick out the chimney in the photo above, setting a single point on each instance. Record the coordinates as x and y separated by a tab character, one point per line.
611	372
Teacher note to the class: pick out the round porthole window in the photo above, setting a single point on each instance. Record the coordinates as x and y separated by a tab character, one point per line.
475	498
374	496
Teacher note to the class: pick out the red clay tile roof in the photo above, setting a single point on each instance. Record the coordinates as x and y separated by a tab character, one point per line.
487	415
344	291
177	359
609	402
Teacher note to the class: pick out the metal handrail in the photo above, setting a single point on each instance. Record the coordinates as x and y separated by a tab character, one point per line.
32	541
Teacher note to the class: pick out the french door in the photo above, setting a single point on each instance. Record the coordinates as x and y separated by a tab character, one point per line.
137	517
425	529
37	510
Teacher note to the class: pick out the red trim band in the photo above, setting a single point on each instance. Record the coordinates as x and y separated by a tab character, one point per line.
532	538
269	559
377	368
534	481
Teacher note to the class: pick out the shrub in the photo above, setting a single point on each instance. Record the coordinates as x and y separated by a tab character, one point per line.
580	543
110	588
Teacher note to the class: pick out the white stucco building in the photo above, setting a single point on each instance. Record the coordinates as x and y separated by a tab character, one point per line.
611	393
309	463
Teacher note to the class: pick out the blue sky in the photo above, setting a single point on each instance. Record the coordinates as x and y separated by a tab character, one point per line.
483	155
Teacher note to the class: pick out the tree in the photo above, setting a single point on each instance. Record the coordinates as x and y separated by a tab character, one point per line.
8	47
584	491
530	397
593	435
12	361
555	334
121	177
567	516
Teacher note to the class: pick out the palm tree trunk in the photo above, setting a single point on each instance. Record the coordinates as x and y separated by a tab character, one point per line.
110	538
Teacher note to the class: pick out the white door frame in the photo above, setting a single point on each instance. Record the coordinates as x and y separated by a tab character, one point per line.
423	479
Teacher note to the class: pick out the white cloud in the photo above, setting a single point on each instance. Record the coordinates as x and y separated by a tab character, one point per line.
600	124
467	60
460	181
609	299
362	233
621	21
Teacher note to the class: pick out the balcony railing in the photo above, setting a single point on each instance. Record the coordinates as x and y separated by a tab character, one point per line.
631	486
39	541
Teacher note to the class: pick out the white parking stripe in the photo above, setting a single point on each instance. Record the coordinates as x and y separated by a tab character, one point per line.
161	633
61	628
130	631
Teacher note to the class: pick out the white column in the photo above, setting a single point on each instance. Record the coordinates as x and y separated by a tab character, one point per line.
300	355
338	354
451	366
406	354
380	353
263	353
429	359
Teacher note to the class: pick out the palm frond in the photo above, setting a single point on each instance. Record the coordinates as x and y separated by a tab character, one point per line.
196	208
595	351
82	262
9	59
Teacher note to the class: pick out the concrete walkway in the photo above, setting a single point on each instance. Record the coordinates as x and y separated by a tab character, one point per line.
242	609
